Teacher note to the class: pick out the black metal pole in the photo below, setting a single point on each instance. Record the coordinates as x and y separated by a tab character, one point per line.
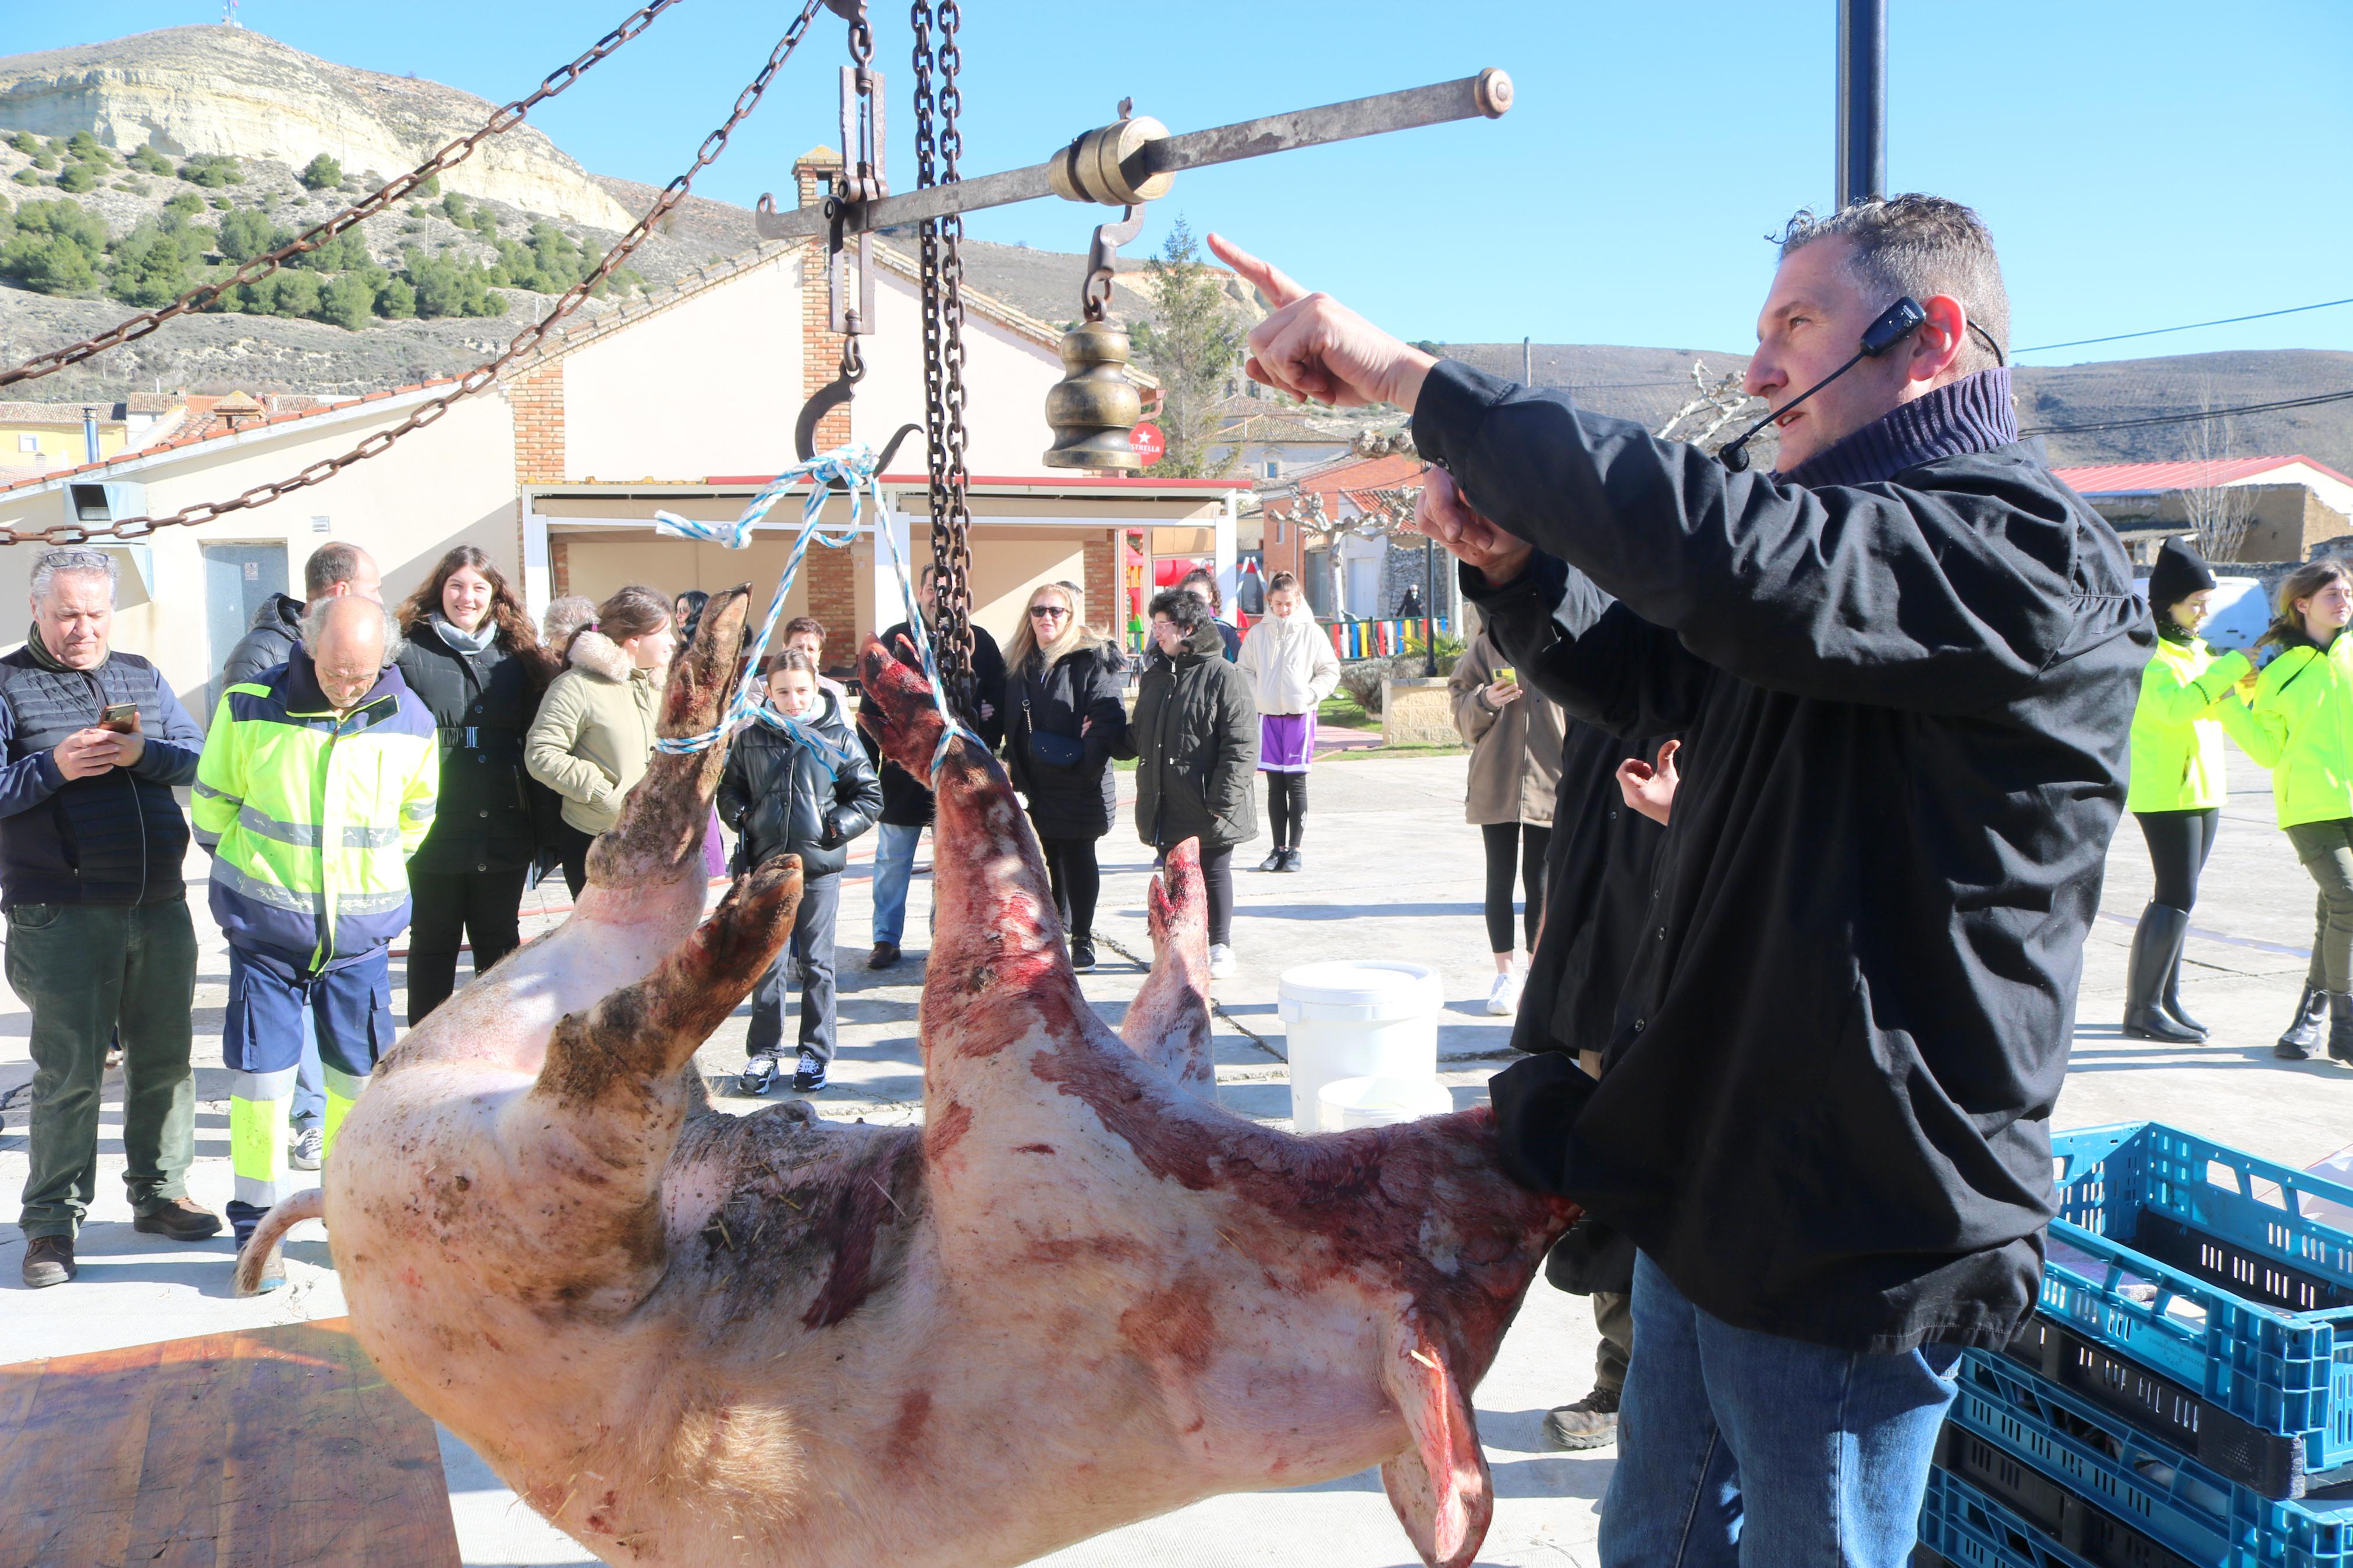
1428	609
1862	100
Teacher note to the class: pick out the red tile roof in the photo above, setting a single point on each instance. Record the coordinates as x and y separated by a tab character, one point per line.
2136	479
1356	478
203	426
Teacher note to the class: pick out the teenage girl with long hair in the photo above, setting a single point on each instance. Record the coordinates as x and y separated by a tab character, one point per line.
473	657
1292	669
2303	710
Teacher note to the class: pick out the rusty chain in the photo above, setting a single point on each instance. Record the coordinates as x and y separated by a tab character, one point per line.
260	266
939	143
474	379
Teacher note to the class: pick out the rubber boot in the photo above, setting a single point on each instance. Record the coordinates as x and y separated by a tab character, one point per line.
2157	944
2311	1011
2170	998
2340	1026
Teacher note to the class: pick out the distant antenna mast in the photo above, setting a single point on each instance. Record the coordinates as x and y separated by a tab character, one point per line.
228	15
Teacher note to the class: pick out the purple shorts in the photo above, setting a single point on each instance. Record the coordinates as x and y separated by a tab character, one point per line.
1286	743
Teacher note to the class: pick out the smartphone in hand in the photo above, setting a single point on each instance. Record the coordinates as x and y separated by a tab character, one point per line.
122	718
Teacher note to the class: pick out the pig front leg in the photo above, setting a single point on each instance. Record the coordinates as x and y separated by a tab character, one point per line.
1167	1025
606	1110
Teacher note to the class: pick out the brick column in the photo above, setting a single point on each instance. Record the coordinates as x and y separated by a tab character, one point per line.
821	345
832	581
537	395
1101	581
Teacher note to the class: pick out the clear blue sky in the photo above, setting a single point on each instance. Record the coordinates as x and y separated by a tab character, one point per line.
2141	163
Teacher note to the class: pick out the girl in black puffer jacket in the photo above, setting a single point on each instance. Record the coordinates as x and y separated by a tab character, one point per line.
805	788
1063	720
473	658
1196	739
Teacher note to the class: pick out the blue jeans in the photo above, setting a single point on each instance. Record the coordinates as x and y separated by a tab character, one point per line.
808	958
1739	1447
894	868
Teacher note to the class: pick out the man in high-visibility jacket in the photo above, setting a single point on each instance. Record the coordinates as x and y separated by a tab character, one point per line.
317	783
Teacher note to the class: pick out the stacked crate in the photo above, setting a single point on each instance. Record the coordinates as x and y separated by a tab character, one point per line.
2184	1396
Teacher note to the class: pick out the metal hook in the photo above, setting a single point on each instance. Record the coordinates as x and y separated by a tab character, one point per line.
1095	295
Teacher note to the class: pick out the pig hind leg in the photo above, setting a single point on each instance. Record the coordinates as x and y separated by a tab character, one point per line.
660	834
1167	1025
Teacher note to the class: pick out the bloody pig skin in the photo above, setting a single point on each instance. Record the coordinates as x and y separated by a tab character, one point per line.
1080	1296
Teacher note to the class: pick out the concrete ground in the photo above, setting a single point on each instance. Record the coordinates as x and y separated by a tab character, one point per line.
1391	870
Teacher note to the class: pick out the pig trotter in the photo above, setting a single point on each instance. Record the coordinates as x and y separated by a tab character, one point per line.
270	1236
660	834
1168	1023
651	1029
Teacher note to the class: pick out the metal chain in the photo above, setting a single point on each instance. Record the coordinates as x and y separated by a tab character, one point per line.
261	267
474	379
937	108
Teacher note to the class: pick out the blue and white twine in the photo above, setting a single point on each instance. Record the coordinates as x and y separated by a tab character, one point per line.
853	467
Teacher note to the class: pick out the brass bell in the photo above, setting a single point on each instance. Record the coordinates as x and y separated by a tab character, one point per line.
1095	407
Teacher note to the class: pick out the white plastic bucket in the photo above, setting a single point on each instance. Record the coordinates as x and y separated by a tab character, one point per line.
1347	1103
1374	1018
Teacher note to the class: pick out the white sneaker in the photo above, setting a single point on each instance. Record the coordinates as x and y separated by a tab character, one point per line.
1503	996
1221	959
305	1151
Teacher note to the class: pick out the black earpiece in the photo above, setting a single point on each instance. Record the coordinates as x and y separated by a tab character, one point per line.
1894	324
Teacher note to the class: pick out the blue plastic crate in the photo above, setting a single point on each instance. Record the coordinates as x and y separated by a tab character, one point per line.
1968	1527
2076	1449
2245	1300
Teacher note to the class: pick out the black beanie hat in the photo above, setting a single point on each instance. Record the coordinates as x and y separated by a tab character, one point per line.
2180	571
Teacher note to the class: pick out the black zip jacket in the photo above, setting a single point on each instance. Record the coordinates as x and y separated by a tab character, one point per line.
907	800
777	796
1195	743
482	704
1827	1113
115	837
275	633
1085	684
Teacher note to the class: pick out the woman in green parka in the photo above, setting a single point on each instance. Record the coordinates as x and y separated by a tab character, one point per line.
2304	717
2177	784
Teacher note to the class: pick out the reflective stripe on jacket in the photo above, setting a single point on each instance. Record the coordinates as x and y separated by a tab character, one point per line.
2186	705
312	818
2303	712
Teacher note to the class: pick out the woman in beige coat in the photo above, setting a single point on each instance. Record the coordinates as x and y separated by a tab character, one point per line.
594	732
1514	739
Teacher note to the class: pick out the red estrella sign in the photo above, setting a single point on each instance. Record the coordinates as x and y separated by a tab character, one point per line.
1149	442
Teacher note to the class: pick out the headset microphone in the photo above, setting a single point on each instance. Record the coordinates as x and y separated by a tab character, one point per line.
1894	324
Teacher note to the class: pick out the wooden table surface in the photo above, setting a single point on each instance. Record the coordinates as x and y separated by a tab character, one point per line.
277	1447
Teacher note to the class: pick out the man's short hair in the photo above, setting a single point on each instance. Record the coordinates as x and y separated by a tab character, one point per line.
330	566
804	625
73	558
1919	245
315	621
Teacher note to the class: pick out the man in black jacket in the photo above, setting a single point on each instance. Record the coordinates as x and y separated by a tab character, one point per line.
1908	662
907	800
334	570
91	839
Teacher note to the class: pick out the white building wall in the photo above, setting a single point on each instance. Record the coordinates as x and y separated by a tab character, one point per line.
1006	377
709	386
450	483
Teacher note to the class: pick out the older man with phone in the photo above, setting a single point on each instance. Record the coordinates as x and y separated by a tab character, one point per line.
91	838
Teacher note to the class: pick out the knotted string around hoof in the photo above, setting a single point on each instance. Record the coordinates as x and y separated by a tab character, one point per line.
854	467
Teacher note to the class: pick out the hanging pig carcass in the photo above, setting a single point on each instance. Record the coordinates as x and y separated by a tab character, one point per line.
1079	1296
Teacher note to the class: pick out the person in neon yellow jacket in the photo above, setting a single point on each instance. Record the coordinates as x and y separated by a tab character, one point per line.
2177	784
2304	713
317	783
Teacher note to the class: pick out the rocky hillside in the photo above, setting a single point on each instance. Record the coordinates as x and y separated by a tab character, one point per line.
226	91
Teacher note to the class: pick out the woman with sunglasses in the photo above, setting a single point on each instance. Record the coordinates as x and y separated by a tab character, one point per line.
1063	720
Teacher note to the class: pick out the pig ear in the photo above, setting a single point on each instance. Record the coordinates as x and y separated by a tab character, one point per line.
1439	1484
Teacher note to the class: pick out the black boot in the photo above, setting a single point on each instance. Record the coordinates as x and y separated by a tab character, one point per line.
2311	1011
2157	944
2340	1024
2170	998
